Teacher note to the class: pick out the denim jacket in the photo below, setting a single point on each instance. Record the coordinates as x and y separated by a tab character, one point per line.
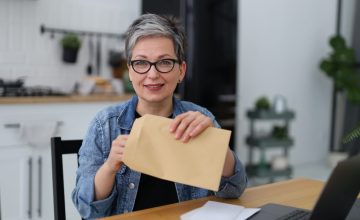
104	128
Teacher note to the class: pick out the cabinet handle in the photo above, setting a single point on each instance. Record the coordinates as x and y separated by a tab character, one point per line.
12	125
30	189
40	186
17	125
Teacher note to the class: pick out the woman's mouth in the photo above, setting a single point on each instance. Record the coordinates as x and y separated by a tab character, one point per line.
154	87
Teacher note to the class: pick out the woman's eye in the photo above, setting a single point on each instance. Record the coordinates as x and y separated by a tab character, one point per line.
165	62
141	63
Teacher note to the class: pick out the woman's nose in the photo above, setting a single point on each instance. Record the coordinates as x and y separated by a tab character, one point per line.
153	72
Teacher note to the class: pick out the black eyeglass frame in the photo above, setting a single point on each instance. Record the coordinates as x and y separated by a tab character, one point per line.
154	64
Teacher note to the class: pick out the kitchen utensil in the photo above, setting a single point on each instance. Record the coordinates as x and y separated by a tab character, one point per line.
115	58
98	55
89	68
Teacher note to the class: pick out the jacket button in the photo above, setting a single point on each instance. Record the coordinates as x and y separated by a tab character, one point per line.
131	185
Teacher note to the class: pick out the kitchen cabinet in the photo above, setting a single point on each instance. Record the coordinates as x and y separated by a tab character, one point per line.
25	180
25	171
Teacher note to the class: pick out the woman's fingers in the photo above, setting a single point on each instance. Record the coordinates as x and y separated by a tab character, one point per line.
189	124
185	125
201	126
176	122
189	132
117	152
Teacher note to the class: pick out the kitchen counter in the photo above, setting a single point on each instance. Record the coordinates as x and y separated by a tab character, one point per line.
63	99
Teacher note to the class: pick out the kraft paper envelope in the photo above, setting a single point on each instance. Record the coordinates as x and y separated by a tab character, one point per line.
153	150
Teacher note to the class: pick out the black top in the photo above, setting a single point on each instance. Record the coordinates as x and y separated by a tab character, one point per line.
153	191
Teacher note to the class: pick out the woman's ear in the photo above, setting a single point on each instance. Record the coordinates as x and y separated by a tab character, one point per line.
128	66
182	71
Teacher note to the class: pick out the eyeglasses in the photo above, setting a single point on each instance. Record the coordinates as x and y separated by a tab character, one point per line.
163	66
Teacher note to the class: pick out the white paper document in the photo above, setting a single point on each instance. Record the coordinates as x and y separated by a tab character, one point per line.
217	210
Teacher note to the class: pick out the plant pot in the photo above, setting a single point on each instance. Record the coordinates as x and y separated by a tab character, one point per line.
70	55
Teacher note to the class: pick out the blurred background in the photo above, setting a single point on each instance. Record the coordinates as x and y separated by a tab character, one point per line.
254	64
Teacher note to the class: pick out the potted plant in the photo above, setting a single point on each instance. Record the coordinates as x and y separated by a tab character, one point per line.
340	65
262	103
71	44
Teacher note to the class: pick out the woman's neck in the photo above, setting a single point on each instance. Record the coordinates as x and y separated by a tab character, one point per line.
160	109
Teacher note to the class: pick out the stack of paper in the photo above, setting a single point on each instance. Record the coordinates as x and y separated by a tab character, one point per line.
217	210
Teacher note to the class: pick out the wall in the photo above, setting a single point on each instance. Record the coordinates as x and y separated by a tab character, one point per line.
280	45
25	52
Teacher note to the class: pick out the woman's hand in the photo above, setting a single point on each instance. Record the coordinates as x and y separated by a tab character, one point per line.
115	159
105	176
189	124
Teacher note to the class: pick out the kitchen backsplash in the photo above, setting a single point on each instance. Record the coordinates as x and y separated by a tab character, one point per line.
25	52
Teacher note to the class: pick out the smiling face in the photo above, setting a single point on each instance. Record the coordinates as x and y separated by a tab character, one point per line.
153	87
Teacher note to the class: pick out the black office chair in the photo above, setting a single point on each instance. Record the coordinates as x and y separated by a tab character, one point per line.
58	148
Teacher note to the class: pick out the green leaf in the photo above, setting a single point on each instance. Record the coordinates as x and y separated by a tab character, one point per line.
355	133
337	42
328	67
262	103
71	40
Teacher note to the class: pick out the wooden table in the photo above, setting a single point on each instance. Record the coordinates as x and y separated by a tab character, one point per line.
301	193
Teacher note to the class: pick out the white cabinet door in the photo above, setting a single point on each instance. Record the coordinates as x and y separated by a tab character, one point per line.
15	183
43	207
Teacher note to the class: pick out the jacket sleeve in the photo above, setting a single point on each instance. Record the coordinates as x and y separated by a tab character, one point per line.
232	187
90	160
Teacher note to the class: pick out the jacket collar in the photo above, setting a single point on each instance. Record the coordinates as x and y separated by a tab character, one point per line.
127	116
177	107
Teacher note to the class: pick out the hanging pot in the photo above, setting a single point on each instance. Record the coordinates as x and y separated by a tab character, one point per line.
70	55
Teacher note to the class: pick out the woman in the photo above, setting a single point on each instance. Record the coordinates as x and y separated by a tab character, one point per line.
105	186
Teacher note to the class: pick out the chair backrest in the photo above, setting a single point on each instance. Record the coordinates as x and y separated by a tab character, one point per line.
58	149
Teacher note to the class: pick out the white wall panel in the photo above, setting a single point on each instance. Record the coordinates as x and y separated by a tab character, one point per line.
25	52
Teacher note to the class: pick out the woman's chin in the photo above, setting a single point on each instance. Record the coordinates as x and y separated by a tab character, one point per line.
155	97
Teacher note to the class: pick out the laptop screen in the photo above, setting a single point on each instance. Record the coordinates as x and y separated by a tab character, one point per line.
340	191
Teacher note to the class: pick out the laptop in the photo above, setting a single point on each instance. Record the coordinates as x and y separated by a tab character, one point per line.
337	200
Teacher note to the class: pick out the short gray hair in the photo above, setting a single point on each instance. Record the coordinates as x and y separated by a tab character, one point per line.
155	25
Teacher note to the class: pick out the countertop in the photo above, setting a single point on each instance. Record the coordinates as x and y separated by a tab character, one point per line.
63	99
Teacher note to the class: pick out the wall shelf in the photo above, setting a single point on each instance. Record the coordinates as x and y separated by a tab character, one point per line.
270	114
268	142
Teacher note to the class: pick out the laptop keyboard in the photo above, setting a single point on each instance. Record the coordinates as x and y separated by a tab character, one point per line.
297	214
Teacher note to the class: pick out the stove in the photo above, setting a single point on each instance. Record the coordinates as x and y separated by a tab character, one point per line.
16	89
30	91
